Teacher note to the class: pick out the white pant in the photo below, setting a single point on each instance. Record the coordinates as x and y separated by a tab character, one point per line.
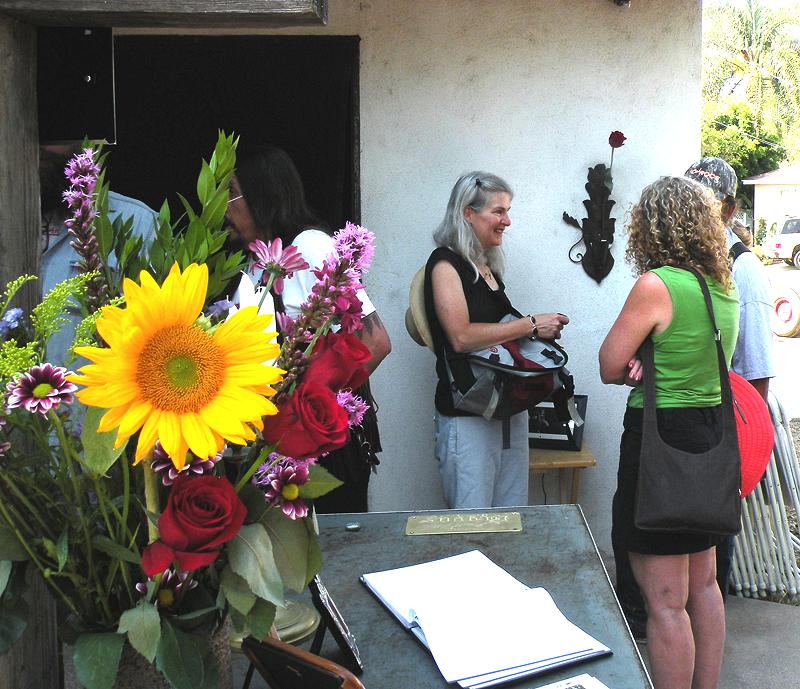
476	470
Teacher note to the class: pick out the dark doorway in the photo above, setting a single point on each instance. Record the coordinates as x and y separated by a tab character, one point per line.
173	93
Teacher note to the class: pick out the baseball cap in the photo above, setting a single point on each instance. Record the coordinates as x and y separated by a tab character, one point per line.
715	174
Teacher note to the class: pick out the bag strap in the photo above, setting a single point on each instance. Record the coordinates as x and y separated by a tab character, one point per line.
647	355
736	250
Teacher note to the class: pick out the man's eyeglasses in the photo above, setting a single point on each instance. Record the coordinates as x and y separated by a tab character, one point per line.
236	198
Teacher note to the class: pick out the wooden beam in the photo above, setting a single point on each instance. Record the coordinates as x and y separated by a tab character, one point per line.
33	662
159	13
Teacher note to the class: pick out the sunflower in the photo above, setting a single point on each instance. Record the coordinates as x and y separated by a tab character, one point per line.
163	374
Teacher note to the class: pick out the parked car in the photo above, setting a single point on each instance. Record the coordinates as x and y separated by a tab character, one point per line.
785	244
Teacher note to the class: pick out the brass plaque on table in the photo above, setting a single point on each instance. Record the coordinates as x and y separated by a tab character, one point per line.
463	522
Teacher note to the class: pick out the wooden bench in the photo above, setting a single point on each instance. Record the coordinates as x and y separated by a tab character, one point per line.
540	461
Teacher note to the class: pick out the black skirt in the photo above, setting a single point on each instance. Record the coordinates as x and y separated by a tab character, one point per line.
690	429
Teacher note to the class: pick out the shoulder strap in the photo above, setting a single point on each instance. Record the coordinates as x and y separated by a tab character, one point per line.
737	250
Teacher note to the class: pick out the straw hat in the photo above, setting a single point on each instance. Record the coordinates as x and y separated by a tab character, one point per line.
416	320
755	431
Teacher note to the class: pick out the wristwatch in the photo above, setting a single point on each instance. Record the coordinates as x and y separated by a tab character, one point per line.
534	327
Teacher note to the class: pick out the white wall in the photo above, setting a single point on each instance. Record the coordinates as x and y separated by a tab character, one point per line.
529	89
776	202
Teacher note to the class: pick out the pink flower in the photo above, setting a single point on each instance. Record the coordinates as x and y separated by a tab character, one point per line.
42	388
355	245
162	464
353	405
277	262
282	477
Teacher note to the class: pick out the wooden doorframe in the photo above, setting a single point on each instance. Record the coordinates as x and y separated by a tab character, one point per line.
34	662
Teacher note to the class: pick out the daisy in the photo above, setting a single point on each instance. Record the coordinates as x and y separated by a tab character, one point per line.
40	389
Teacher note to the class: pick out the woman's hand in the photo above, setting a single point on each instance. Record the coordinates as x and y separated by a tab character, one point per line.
550	325
633	377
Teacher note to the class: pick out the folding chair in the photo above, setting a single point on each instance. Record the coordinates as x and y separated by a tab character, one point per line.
287	667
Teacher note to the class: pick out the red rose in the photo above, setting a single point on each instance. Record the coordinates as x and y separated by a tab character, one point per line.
616	139
338	361
202	513
309	423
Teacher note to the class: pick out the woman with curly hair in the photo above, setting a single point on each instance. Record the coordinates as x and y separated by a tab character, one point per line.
676	223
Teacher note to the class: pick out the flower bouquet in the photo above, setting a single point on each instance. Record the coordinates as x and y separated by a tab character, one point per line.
162	490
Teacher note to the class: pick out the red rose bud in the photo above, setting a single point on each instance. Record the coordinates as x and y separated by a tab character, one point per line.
202	513
338	361
616	139
309	423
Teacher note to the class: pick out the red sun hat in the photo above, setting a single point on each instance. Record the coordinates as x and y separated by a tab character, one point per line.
755	431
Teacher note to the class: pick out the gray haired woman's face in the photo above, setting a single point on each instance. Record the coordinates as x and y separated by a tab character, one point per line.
491	221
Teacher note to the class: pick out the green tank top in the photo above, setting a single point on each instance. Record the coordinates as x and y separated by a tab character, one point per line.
687	374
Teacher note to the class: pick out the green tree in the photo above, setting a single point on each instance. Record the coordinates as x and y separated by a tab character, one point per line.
752	54
730	133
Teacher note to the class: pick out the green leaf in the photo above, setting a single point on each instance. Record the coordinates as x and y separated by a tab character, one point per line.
115	550
290	547
320	481
179	658
314	558
237	591
261	618
99	453
96	659
205	184
13	621
10	547
62	549
5	575
142	624
254	501
251	557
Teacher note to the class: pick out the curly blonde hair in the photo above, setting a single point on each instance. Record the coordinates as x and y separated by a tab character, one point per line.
677	222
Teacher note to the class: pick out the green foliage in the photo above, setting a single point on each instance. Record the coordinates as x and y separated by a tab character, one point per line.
290	540
12	288
751	54
50	316
142	624
13	608
761	231
99	452
251	556
199	237
731	134
179	658
15	358
96	658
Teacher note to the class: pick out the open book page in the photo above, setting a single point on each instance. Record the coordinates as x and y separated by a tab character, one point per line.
464	577
473	635
501	676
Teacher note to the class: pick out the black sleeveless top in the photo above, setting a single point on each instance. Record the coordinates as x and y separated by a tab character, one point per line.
484	305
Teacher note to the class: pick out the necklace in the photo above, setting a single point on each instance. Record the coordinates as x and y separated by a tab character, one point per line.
486	272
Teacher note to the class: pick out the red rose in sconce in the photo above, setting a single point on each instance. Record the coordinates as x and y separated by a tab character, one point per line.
338	361
616	139
309	423
202	513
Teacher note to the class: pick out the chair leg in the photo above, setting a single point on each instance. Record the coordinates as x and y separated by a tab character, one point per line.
248	677
316	644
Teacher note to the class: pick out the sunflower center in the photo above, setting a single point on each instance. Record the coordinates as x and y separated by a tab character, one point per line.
180	369
41	390
290	491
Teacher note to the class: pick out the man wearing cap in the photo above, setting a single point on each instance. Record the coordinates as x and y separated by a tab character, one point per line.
752	359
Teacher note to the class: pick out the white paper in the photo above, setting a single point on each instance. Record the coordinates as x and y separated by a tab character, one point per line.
578	682
474	636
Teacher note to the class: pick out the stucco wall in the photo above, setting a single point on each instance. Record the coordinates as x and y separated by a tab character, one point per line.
529	89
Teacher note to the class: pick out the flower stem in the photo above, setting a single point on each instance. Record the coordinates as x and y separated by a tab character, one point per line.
151	497
259	460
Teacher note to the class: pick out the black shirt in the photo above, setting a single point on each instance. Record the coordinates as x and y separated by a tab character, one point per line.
484	304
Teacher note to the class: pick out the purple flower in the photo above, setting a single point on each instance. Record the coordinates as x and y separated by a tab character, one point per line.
355	245
219	307
10	320
41	389
162	464
281	478
170	587
353	405
277	263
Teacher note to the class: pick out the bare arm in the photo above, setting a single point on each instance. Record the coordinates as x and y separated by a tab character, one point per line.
762	385
375	337
464	336
647	309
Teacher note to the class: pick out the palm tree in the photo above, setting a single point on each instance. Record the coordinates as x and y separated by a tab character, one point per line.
752	54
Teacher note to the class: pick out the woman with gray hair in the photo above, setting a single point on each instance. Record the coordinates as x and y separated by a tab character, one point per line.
464	301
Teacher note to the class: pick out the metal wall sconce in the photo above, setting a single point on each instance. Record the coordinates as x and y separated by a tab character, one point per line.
597	229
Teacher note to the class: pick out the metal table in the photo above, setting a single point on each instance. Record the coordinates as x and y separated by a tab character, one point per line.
555	549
